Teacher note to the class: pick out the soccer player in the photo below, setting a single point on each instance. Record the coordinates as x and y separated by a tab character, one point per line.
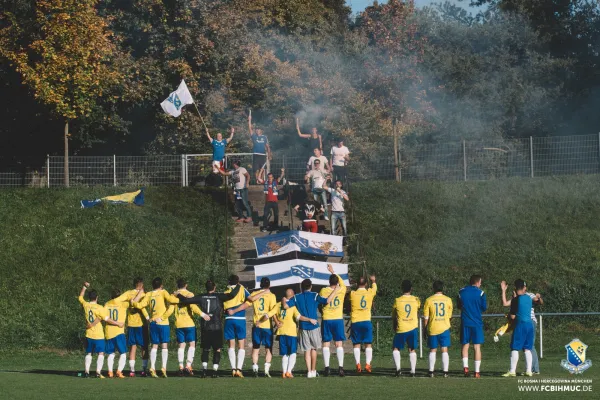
310	341
264	306
361	330
160	332
333	321
235	326
137	328
287	331
211	303
473	302
406	324
219	146
186	329
522	337
94	313
115	335
437	312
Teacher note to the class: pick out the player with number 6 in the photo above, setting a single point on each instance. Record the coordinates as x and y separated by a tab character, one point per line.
361	330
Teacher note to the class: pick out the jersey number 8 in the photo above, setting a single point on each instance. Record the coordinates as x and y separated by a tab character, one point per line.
90	316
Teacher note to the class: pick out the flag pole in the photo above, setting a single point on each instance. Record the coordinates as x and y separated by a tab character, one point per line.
200	115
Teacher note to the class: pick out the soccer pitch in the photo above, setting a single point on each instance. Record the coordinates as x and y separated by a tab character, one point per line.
33	375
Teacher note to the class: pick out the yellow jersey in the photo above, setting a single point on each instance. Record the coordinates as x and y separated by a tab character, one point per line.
289	319
438	311
183	314
236	301
117	311
157	300
135	316
335	309
406	310
93	311
361	302
264	305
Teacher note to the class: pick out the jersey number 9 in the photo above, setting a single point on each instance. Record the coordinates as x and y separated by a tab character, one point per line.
152	305
407	309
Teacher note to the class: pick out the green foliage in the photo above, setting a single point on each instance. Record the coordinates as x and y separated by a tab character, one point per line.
542	230
50	246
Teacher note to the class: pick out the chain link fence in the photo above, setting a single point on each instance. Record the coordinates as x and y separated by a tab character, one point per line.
451	161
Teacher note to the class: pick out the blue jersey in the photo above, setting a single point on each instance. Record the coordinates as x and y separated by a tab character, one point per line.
520	307
219	149
259	144
472	301
307	303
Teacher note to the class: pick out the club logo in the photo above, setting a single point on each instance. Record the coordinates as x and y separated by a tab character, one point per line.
302	271
576	362
174	98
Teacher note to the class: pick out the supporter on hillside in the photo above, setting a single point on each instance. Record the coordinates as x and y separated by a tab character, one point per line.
340	155
308	212
338	195
314	138
318	177
240	177
271	200
261	151
310	165
219	144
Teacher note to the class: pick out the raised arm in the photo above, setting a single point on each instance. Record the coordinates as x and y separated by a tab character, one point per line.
302	135
321	143
345	196
282	175
231	136
82	292
341	284
250	122
504	286
208	135
538	299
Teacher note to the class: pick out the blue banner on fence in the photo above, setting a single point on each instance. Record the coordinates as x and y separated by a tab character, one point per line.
305	242
295	271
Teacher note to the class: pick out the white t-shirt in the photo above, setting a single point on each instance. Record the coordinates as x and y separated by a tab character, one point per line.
532	312
338	154
311	162
318	178
239	177
337	200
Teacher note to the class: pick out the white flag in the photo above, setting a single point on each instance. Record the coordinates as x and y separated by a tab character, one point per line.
177	100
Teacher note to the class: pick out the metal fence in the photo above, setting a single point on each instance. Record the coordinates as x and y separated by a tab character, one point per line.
458	161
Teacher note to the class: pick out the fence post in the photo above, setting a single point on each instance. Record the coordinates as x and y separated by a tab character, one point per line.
114	170
420	337
377	328
182	170
464	146
598	147
48	169
531	154
541	338
396	160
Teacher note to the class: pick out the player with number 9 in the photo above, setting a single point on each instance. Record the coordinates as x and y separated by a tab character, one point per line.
361	330
333	321
437	312
406	325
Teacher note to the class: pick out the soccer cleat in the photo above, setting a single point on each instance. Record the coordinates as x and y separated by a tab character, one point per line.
215	374
528	374
431	375
99	375
153	373
203	373
234	372
509	374
180	372
239	373
144	374
412	374
86	375
398	373
477	375
289	375
466	372
164	372
327	371
358	368
446	374
189	371
283	376
341	372
132	374
267	375
368	368
255	373
120	375
110	374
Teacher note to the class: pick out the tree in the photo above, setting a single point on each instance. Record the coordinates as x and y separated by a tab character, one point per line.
63	55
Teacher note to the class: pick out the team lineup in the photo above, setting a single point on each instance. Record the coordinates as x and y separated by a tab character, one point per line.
293	321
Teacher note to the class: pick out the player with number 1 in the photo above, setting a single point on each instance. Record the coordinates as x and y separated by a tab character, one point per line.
406	324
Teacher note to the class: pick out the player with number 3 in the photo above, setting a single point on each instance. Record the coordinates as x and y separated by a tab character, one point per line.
406	324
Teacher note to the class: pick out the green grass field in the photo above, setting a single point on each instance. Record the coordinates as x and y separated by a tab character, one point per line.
27	375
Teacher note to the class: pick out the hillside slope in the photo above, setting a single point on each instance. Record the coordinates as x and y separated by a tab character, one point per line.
49	246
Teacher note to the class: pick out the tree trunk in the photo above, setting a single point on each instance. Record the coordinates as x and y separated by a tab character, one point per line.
66	165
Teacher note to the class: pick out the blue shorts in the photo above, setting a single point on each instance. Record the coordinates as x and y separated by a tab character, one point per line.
441	340
522	337
409	338
262	337
186	335
471	334
137	336
118	343
94	346
361	332
234	329
288	345
333	329
159	334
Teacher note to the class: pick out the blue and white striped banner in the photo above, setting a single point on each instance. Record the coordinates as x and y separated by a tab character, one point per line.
305	242
295	271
